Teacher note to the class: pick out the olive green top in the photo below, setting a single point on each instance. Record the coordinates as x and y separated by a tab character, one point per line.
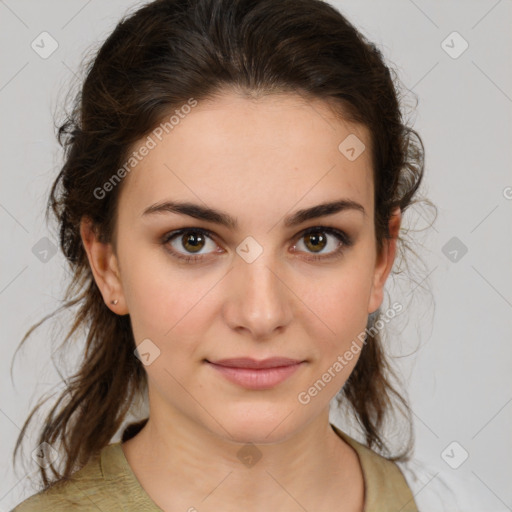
107	484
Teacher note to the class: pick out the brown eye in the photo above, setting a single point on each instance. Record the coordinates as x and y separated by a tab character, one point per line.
193	241
315	241
188	246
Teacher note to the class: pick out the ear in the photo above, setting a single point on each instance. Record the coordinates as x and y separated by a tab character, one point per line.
104	266
384	262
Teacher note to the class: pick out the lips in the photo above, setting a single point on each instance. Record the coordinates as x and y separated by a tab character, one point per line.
256	375
248	362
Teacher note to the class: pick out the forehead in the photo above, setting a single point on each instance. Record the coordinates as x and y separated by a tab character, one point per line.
243	154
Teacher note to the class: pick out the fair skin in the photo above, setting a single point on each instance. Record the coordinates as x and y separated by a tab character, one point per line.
259	161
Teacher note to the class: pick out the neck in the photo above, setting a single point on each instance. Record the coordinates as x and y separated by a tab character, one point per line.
181	464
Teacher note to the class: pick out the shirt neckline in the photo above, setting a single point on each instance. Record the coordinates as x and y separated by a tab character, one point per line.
114	465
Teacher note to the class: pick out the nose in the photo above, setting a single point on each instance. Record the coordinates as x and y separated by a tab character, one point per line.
259	301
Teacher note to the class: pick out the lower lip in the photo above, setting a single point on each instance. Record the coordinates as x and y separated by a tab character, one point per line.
256	379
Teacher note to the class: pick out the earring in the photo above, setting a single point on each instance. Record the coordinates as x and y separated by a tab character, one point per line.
114	302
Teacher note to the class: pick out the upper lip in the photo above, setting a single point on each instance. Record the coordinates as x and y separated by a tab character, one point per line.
248	362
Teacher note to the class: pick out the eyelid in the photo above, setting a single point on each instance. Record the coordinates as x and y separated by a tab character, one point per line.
344	239
172	234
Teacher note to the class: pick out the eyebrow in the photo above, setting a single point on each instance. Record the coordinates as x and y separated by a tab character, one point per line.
219	217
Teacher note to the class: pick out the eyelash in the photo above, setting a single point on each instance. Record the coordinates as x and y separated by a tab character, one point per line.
345	240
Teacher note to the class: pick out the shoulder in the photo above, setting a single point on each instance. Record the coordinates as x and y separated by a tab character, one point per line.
385	484
88	489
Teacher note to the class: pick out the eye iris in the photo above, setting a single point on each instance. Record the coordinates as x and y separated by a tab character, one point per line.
315	238
196	240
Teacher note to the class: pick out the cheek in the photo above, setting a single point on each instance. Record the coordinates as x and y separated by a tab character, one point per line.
340	298
150	294
336	352
339	302
166	305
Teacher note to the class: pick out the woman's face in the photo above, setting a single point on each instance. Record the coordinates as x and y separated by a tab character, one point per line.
260	287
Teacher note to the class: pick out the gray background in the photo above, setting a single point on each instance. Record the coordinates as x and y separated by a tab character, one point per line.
454	338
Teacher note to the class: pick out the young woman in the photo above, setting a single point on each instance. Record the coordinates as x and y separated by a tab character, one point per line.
230	204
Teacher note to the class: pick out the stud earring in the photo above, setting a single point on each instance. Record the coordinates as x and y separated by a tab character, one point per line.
114	302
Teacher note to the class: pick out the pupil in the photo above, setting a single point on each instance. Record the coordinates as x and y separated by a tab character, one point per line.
317	238
195	240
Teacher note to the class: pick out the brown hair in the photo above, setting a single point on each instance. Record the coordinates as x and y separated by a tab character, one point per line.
155	60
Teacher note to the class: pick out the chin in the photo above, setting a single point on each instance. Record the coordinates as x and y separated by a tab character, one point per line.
256	427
